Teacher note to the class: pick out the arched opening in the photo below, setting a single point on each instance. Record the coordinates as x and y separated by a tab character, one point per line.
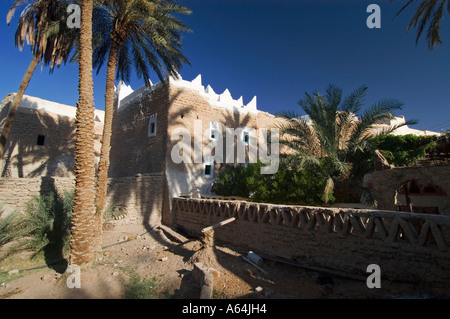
418	196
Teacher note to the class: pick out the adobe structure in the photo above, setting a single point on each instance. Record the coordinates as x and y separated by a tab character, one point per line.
146	181
145	133
42	139
144	175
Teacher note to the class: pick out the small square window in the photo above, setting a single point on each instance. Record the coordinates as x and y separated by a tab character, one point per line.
213	131
152	126
246	137
41	140
208	170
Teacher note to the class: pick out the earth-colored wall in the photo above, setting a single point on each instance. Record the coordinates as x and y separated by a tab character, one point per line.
407	246
384	184
24	158
137	198
134	152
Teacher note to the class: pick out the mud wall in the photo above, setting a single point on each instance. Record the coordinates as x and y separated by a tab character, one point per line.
406	246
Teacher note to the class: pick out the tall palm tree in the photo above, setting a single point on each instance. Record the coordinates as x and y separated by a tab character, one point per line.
429	12
42	25
83	216
331	135
142	33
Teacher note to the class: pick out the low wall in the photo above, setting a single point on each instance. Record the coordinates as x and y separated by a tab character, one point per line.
137	198
15	193
406	246
384	183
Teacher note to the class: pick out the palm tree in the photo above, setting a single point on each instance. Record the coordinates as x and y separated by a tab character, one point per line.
83	229
145	34
42	25
429	12
330	137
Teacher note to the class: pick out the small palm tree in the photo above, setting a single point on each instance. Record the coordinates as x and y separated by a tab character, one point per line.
428	15
140	33
42	25
331	136
83	230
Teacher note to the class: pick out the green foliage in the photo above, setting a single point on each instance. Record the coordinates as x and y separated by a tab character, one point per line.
139	288
336	134
43	227
404	150
286	186
148	33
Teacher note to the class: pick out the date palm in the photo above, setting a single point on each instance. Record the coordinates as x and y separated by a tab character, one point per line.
334	131
41	25
144	34
83	230
428	15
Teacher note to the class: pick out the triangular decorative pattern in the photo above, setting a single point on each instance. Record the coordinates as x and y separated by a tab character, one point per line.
416	230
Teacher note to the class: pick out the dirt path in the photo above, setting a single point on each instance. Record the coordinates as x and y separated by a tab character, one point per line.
130	250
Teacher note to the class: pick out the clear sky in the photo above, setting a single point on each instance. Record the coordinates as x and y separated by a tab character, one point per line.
278	50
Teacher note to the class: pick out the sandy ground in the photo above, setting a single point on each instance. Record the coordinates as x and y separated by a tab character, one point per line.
130	249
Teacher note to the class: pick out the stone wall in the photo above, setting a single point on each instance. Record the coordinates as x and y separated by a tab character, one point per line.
385	183
406	246
137	198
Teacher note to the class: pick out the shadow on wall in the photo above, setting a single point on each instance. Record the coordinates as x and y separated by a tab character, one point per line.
191	179
143	189
40	144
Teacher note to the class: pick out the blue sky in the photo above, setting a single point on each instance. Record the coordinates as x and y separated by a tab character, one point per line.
278	50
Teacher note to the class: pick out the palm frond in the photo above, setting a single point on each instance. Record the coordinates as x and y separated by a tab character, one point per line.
329	187
428	15
403	8
433	37
334	137
353	102
42	26
288	114
150	32
13	8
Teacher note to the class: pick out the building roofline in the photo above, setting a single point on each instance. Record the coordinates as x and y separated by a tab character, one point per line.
224	100
35	103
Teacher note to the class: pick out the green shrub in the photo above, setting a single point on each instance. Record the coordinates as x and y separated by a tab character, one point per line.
286	186
404	150
43	227
139	288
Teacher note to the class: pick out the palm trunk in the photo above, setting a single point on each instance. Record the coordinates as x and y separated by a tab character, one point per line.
103	166
15	104
83	217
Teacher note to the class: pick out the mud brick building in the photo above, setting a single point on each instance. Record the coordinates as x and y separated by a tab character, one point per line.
153	127
42	142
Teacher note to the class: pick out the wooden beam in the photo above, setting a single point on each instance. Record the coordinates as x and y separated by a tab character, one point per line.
222	223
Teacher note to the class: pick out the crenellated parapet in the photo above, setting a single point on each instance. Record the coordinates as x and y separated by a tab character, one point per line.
224	100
